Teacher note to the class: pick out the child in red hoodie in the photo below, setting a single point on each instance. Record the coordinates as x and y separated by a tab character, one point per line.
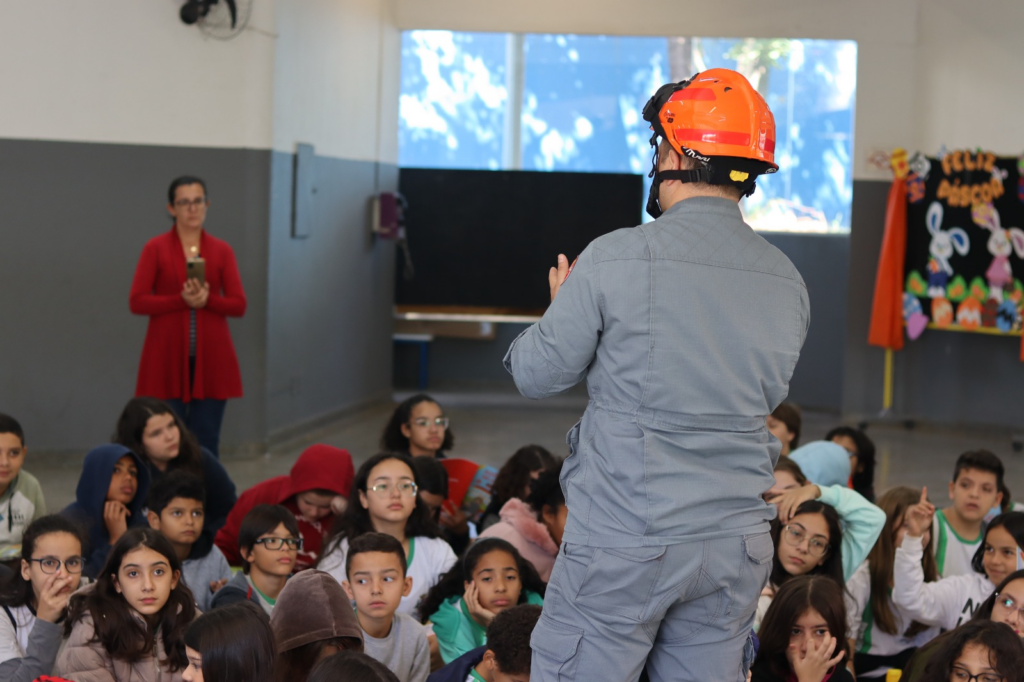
319	475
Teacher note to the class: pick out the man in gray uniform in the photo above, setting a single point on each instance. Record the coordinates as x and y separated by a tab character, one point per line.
687	331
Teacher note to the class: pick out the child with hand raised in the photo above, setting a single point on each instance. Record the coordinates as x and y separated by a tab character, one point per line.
952	600
35	600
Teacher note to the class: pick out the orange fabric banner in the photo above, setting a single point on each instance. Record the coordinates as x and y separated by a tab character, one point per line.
887	308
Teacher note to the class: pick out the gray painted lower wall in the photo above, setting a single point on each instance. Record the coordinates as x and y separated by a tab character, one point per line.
74	218
331	295
947	378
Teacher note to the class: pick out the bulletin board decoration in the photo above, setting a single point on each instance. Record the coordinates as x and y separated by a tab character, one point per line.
952	255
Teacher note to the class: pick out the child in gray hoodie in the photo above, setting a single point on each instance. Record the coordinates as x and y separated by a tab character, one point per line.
176	509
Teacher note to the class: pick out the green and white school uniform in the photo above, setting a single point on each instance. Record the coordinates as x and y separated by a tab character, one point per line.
953	554
877	651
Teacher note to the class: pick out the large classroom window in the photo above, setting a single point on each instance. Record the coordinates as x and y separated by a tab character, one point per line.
572	103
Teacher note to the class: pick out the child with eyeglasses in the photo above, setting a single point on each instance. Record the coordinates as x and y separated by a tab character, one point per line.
809	538
978	651
384	500
953	600
35	599
269	544
314	491
418	428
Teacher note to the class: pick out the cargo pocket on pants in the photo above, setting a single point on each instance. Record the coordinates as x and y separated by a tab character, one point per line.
556	649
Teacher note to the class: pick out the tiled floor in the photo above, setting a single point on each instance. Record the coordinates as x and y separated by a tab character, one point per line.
490	426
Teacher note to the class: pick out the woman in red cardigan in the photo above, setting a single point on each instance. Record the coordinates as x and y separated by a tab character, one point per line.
188	359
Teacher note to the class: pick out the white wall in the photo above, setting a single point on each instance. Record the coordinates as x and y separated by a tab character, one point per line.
328	77
929	71
130	71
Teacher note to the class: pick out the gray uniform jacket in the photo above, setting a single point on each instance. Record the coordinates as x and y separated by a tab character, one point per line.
687	331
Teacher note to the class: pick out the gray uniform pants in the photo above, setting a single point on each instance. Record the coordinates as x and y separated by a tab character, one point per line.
685	610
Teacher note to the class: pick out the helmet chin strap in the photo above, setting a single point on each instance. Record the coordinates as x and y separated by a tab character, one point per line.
702	174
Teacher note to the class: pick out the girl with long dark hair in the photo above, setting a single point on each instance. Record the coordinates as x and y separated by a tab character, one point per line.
418	427
152	430
131	623
513	480
491	577
384	500
230	644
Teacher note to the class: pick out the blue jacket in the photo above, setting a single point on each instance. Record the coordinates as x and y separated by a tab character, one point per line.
91	496
458	670
687	331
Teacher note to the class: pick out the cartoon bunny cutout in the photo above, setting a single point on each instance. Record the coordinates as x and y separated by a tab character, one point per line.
1002	243
942	247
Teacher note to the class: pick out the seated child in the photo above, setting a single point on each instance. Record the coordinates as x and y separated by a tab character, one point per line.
491	578
974	490
109	500
432	478
506	656
784	423
824	462
979	651
809	538
130	624
320	476
1005	603
35	599
375	566
21	498
788	476
803	634
268	543
418	428
535	526
885	636
313	620
514	478
384	500
234	643
155	432
862	458
177	510
351	665
951	601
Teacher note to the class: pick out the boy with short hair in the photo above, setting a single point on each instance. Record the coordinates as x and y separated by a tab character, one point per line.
375	568
507	655
957	531
21	498
269	544
315	490
177	511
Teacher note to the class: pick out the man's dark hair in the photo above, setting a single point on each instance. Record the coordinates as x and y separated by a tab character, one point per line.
262	519
982	460
172	485
508	637
374	542
182	182
9	424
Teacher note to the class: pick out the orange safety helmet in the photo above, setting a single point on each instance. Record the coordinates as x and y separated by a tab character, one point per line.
720	120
